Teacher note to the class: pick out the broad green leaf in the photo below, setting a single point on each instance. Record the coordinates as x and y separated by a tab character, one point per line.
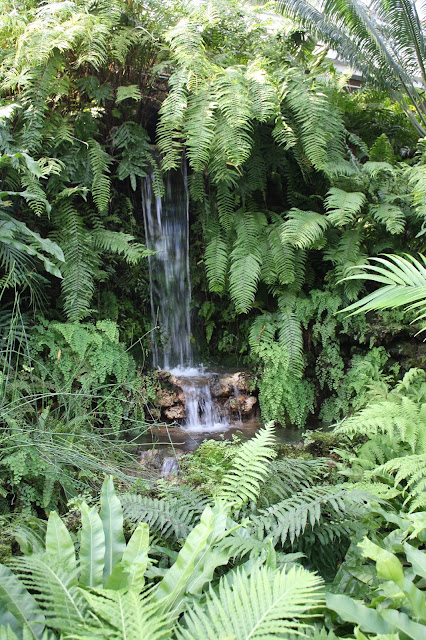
193	565
92	548
399	621
112	521
388	565
130	572
417	559
18	608
353	611
59	543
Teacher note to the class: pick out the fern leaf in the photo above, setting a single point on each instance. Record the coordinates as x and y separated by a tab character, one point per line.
291	337
243	278
124	615
258	605
390	215
216	260
342	206
55	589
99	162
169	517
18	608
249	468
303	228
199	127
289	518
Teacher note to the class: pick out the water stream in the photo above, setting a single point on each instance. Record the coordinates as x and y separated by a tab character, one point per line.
166	221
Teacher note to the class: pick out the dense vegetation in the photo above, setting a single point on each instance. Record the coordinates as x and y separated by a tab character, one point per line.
296	187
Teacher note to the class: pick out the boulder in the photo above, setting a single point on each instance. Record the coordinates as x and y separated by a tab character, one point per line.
229	385
176	412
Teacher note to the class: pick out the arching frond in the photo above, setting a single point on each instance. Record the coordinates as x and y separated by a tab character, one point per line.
343	207
404	280
249	468
266	602
303	228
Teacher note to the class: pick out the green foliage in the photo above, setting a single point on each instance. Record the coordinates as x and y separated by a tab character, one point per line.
282	396
207	465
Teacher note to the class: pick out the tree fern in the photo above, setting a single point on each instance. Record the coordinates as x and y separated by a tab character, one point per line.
249	468
260	606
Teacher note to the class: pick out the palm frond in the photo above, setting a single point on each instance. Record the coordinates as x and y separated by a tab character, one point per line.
404	280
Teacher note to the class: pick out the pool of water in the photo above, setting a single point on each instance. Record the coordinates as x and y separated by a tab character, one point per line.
189	439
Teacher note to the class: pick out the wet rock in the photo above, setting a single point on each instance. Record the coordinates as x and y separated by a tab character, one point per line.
175	412
167	398
247	404
241	405
229	385
170	396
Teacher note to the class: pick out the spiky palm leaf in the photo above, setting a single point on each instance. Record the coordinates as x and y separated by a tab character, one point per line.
384	40
261	605
404	280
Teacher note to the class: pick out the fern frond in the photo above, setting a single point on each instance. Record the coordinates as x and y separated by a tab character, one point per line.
258	605
200	126
54	588
410	473
121	615
99	163
80	260
404	280
19	609
291	337
289	518
249	468
168	517
303	228
389	215
401	422
243	278
216	260
120	244
343	207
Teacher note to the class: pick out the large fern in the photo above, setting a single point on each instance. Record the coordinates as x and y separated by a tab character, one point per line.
249	468
260	606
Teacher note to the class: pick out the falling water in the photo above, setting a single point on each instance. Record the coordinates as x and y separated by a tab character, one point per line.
166	221
166	229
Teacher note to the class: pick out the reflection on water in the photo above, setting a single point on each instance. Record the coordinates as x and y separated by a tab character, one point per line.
189	440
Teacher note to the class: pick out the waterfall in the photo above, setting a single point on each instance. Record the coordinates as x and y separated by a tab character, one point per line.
166	223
